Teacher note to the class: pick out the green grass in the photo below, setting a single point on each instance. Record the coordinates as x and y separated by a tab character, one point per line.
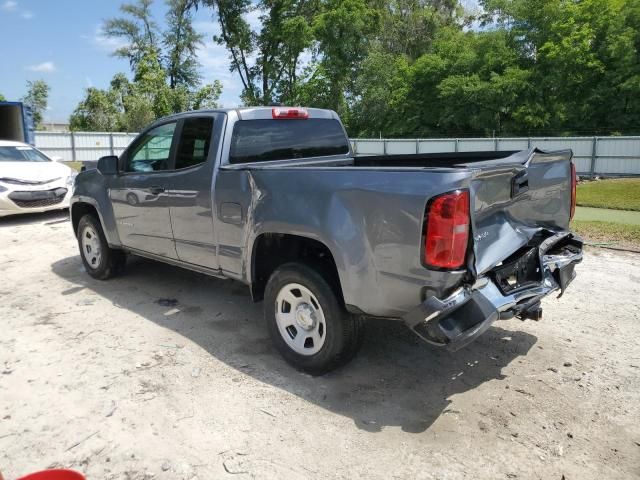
74	165
591	214
615	234
619	194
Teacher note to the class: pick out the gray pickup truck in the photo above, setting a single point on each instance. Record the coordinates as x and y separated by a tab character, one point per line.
275	198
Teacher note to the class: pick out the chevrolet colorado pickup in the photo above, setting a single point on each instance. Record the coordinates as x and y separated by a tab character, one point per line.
275	198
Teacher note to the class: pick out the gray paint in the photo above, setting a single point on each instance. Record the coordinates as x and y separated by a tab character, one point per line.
369	218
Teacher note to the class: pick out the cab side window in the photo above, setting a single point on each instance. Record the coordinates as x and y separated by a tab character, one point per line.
152	152
194	142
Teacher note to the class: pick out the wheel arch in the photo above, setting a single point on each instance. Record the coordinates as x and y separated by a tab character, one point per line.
79	210
271	250
86	205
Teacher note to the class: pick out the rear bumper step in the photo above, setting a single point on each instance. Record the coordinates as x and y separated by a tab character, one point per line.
457	320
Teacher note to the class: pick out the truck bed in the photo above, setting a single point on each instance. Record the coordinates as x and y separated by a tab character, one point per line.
451	159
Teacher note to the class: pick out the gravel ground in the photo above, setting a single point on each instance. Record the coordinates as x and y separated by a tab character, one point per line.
107	378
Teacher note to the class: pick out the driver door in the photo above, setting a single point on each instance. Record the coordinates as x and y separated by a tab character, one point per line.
140	201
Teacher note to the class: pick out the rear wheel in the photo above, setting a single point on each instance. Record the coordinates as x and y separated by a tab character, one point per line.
100	261
307	322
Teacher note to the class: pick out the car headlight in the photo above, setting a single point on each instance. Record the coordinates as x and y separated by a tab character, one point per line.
71	178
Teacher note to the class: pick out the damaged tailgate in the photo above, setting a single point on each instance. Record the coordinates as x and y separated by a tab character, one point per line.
520	249
515	199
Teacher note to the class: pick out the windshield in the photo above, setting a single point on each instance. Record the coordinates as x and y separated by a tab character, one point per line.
21	154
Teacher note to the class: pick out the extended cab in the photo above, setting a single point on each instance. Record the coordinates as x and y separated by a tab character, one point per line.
275	198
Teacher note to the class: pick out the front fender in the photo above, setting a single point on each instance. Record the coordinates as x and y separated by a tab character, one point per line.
91	188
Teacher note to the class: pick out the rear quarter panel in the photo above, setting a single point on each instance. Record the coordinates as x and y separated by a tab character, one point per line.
371	221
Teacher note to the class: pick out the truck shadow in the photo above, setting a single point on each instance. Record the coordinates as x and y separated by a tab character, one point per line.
396	380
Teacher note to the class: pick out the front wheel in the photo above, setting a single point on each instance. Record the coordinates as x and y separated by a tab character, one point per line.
307	322
100	261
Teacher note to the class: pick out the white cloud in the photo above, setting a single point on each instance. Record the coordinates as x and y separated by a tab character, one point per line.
46	67
27	15
9	5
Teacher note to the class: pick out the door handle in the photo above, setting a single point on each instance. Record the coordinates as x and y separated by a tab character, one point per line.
156	189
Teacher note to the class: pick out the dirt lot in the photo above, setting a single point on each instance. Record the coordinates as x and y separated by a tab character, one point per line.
101	377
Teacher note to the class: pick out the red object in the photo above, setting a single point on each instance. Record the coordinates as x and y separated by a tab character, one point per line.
574	186
285	113
54	475
447	230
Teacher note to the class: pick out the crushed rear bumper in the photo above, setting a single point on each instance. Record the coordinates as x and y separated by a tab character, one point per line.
515	288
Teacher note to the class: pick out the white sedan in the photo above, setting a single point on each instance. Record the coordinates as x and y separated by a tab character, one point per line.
32	182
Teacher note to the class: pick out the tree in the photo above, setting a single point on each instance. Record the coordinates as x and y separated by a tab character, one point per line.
206	97
137	28
2	98
267	61
396	67
165	72
98	112
343	31
381	89
408	27
181	43
37	98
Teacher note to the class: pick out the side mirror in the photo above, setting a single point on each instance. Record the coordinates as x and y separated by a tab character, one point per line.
108	165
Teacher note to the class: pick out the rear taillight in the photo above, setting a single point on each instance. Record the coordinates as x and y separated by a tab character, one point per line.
574	186
447	230
286	113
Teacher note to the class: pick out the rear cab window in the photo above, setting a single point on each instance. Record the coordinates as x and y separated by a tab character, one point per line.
195	140
268	139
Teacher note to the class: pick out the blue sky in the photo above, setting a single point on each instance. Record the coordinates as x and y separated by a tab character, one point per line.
60	42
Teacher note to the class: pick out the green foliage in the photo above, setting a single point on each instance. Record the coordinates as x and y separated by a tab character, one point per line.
400	68
344	30
2	98
98	112
137	29
207	96
37	98
536	67
181	42
166	76
267	61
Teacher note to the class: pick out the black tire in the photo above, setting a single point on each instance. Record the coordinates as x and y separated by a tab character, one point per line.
344	332
111	261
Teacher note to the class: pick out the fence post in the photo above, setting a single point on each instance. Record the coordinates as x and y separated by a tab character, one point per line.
457	148
73	146
111	151
495	144
417	146
528	143
384	147
594	153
